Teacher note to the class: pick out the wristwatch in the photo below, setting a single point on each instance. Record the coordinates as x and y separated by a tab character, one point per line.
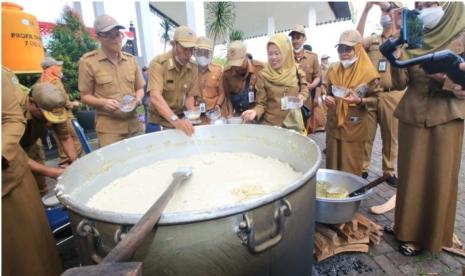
174	118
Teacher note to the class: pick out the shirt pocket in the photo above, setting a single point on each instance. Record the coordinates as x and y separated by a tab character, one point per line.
211	87
104	83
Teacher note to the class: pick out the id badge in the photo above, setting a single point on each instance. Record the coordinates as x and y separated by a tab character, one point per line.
284	105
251	97
382	65
203	108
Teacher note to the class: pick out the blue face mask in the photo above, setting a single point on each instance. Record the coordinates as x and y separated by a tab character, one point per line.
385	21
202	61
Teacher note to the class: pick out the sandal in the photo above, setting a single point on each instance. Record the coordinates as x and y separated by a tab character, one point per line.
388	229
408	250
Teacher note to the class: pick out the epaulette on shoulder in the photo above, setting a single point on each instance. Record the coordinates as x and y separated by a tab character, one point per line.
219	66
127	54
89	54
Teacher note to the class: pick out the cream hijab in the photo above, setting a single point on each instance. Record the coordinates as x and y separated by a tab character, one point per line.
286	75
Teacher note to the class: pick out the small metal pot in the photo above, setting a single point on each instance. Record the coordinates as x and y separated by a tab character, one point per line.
334	211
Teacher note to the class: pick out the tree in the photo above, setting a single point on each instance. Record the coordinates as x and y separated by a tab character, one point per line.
220	20
70	40
165	32
236	35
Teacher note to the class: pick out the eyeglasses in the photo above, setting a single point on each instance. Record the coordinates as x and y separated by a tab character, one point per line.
344	49
111	35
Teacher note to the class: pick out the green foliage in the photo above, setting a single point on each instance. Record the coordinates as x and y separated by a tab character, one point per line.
219	60
165	32
236	35
70	41
220	20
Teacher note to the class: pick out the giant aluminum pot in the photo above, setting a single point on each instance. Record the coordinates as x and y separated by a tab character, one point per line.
268	235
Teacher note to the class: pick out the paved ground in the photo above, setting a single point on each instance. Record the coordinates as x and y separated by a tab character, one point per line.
384	259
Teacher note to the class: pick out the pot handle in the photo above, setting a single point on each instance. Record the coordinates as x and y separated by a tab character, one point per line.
87	229
247	230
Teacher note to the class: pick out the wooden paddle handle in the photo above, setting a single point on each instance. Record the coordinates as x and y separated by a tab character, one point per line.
124	250
369	186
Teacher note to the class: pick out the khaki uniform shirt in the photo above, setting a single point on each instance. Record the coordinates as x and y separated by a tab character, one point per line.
13	127
371	45
357	124
174	84
427	102
269	97
308	62
105	80
234	83
211	85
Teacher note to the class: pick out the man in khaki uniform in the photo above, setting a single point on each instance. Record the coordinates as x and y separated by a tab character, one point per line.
239	78
52	74
210	75
173	84
388	99
308	62
106	76
45	109
28	247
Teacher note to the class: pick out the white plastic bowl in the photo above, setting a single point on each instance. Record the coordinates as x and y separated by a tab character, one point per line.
338	91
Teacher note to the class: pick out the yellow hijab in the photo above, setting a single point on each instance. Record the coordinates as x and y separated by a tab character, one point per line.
361	72
286	75
451	24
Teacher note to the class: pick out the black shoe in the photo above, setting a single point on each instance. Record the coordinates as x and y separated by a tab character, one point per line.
407	250
393	181
365	175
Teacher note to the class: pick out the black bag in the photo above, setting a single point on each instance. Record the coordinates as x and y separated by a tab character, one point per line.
306	111
240	100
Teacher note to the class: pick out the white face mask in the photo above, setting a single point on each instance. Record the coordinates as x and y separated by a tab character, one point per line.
431	16
202	61
348	62
385	21
300	49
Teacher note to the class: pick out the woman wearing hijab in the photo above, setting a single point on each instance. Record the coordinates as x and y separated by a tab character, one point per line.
431	125
279	80
352	83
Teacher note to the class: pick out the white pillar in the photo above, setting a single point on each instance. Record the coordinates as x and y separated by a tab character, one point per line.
271	26
311	32
196	16
144	14
99	8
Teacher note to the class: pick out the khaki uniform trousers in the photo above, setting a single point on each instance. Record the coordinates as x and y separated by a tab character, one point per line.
36	153
77	143
387	102
105	139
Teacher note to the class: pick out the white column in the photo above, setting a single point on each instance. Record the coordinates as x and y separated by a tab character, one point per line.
99	8
144	14
311	32
271	26
77	7
196	16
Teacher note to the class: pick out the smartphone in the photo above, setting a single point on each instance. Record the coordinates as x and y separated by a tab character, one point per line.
412	29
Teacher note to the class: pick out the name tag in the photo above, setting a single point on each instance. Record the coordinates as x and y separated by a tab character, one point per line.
284	103
203	108
382	65
251	97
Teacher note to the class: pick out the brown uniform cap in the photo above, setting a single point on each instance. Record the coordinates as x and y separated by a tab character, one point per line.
51	101
237	51
185	36
350	38
298	29
204	43
105	23
49	61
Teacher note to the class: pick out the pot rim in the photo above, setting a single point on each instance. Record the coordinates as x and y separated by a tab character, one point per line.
193	216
